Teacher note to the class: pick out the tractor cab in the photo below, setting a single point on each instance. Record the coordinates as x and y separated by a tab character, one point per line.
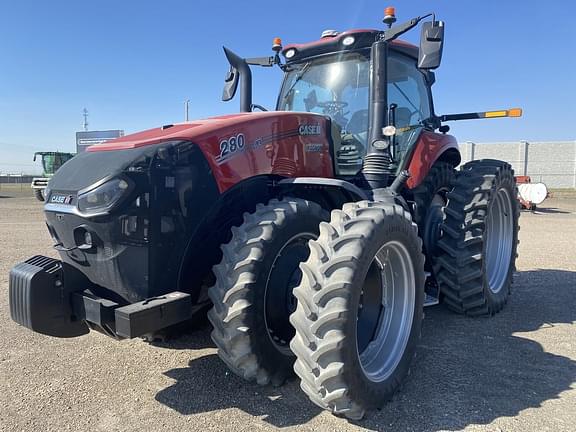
335	82
364	81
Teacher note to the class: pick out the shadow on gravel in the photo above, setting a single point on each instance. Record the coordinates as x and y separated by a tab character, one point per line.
466	372
207	385
550	210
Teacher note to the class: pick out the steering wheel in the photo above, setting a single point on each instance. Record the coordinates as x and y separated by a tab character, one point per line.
333	106
335	109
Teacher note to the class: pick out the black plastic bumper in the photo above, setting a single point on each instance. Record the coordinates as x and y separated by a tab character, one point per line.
51	297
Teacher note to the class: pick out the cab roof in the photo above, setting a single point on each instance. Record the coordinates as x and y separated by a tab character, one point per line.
363	38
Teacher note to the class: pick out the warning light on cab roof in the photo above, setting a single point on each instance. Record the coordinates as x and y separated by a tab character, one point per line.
389	16
277	44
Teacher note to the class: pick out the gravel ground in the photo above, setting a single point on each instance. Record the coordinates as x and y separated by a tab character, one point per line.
514	372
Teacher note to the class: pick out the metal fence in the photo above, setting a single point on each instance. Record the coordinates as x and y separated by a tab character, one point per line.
15	179
549	162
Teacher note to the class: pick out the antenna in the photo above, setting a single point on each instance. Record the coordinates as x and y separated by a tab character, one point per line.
85	114
186	109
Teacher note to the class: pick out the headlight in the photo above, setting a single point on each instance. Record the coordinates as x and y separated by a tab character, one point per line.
102	198
290	53
348	40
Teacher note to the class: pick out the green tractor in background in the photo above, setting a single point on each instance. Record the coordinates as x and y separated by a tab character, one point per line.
51	162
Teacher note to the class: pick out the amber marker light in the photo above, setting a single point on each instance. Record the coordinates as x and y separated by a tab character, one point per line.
389	16
512	112
492	114
277	44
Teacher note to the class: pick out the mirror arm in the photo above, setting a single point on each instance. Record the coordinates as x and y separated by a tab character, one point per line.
265	61
262	61
400	29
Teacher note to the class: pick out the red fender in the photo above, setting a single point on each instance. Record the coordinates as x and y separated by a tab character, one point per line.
429	148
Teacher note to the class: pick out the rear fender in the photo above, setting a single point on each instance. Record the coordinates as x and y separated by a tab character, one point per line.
430	148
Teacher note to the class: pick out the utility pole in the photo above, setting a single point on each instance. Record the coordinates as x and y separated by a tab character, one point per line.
186	109
85	114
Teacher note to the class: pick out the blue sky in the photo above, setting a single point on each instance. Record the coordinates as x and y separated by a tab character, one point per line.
133	63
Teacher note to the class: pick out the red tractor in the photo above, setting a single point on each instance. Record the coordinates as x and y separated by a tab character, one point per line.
316	232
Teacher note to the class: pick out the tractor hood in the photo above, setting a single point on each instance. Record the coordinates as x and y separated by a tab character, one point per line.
190	131
236	147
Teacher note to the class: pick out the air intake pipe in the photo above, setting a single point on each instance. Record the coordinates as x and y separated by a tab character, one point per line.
378	164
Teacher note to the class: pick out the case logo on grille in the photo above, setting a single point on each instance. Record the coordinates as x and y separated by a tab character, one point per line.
61	199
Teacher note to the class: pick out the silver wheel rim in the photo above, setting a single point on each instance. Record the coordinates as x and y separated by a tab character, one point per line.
499	239
383	354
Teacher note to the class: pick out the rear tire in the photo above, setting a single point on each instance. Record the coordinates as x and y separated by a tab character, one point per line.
252	296
359	310
430	198
479	239
39	194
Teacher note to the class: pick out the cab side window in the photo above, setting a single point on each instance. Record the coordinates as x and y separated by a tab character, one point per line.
407	89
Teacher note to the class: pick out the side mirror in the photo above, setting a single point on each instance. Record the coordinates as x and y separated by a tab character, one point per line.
238	69
230	84
431	44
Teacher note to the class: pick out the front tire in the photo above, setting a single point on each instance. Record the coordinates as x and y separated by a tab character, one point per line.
479	239
253	297
359	310
39	194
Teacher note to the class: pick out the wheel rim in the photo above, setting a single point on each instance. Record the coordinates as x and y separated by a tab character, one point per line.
499	239
392	274
279	302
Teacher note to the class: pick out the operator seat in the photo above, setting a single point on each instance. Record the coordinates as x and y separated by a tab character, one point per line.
358	123
403	117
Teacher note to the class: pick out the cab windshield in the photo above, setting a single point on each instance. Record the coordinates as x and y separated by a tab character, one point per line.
339	86
336	86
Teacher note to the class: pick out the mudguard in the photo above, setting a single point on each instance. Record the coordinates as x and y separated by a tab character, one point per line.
429	148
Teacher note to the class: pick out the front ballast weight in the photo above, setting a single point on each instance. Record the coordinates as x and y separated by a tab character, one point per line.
51	297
